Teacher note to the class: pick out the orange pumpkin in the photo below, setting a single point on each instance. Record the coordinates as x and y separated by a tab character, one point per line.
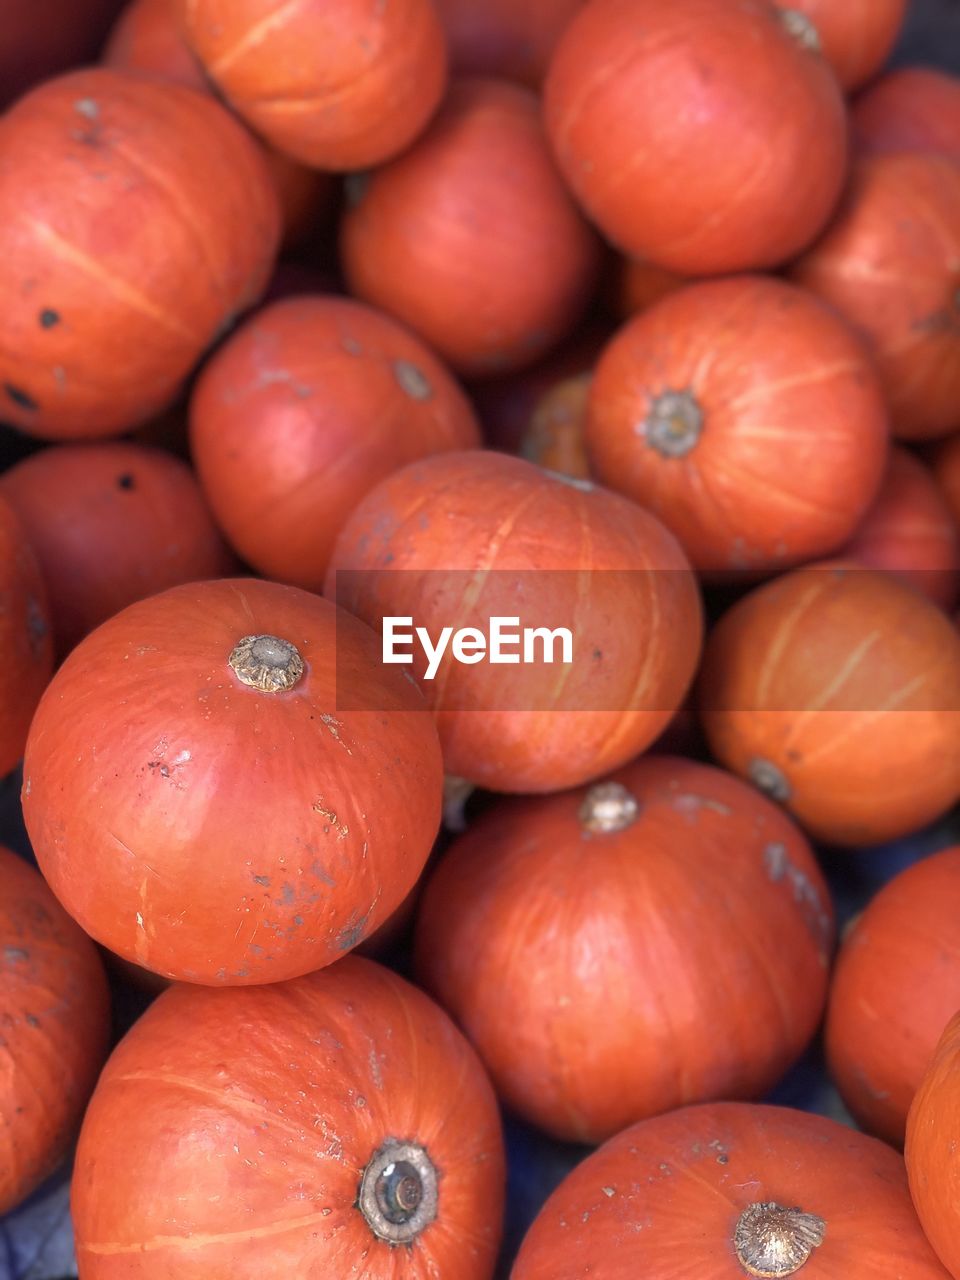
503	38
461	538
895	987
910	109
890	264
299	415
336	85
729	1190
55	1020
136	219
700	136
470	237
199	802
559	932
932	1145
836	690
111	523
855	36
555	437
310	1121
744	415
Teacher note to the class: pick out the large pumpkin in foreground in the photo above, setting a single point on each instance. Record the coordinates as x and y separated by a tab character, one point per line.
197	800
727	1191
932	1149
337	1125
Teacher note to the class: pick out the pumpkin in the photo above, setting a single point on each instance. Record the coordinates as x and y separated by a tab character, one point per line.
728	1190
24	636
571	937
311	1121
301	412
199	802
836	690
855	36
41	38
336	85
895	987
470	237
111	523
462	538
931	1148
554	438
699	135
637	285
890	264
136	219
910	530
746	416
946	465
502	38
910	109
55	1020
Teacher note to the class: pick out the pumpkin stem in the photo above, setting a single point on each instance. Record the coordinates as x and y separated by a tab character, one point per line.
801	27
607	807
266	663
771	1241
674	423
771	780
398	1192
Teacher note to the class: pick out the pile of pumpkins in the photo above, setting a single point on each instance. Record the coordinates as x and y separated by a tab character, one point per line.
636	319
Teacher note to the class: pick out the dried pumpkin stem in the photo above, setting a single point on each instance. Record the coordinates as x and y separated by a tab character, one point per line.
771	1241
398	1192
267	663
770	779
674	423
607	807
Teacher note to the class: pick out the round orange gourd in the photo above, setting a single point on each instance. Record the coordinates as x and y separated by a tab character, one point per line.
199	801
554	439
301	412
836	690
621	872
55	1019
746	416
335	84
41	38
931	1148
727	1191
312	1123
461	538
910	109
895	987
890	264
946	466
700	135
910	530
501	38
136	219
111	523
470	237
855	36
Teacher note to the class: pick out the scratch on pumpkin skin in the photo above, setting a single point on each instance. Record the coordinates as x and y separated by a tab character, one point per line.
254	36
783	637
821	703
769	390
863	722
190	1243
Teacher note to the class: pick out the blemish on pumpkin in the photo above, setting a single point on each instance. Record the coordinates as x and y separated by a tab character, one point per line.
287	894
126	481
316	869
32	1021
608	1191
263	880
88	108
15	955
20	397
412	380
776	859
48	318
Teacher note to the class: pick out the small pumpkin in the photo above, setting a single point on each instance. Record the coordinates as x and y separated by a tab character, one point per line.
836	690
501	38
314	1125
200	804
111	523
301	412
895	987
909	109
555	437
470	237
931	1148
462	538
746	416
855	36
729	1190
575	939
55	1019
890	264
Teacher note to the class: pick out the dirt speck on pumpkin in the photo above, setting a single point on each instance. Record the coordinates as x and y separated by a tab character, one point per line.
15	955
88	108
48	318
262	880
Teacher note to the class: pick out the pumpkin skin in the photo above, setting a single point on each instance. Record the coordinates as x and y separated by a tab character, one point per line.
271	1102
931	1148
890	264
895	987
299	415
745	416
559	554
548	928
470	237
632	87
336	84
55	1014
137	219
910	530
664	1197
856	36
909	109
42	38
111	523
555	438
837	690
24	636
500	38
210	830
